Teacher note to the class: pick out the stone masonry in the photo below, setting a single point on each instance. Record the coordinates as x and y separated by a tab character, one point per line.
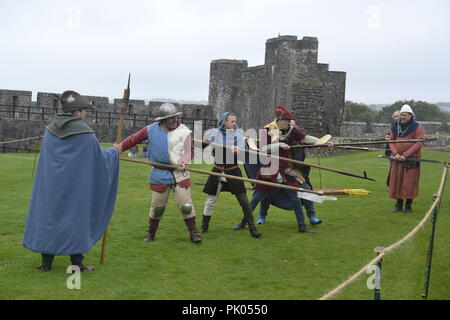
290	76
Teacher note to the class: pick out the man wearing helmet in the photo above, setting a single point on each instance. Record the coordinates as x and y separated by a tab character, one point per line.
169	142
404	175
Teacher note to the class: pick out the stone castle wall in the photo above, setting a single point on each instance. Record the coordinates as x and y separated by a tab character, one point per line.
20	101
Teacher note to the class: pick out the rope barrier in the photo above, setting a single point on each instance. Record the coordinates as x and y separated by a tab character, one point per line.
11	141
397	244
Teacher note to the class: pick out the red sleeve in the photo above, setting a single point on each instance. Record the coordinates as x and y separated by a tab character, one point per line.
416	147
392	146
134	139
297	134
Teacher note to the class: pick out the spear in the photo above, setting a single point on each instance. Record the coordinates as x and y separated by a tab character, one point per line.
123	108
416	159
362	143
289	159
228	176
333	146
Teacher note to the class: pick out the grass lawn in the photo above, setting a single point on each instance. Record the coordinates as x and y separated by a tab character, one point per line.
282	264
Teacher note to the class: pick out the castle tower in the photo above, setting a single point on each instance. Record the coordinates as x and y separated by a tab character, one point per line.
225	81
290	76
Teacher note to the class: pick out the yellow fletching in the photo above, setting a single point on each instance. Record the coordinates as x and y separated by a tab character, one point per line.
344	191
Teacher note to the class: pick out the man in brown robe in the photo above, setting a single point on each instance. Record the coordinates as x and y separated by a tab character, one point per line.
404	175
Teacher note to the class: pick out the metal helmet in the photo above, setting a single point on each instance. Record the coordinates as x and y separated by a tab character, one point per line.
167	110
407	108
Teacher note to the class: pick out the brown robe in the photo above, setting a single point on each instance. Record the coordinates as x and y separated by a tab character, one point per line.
404	183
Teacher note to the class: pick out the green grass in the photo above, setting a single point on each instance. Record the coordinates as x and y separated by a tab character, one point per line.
282	264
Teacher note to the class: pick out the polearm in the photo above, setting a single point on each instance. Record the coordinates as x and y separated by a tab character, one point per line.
326	191
362	143
332	146
415	159
350	147
290	160
123	107
228	176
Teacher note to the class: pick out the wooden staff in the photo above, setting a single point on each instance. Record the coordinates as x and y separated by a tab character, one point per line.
123	108
362	143
290	160
18	140
351	148
414	159
270	184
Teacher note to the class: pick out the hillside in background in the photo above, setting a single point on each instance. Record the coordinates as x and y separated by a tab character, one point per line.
444	106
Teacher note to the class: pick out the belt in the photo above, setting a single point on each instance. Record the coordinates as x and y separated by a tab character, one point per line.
164	168
225	169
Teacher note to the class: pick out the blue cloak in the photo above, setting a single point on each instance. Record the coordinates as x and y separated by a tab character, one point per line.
73	196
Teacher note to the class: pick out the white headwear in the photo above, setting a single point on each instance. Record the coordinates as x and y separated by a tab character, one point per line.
407	108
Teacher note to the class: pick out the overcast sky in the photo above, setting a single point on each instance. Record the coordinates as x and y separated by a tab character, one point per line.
391	49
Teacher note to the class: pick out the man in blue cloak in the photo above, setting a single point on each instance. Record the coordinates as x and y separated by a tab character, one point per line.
74	189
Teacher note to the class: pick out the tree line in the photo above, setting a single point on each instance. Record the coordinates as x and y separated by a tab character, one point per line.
424	111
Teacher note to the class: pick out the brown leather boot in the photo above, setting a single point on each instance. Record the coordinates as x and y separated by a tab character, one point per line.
153	226
149	237
194	235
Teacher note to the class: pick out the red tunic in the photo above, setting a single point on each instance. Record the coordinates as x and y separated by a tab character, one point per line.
403	182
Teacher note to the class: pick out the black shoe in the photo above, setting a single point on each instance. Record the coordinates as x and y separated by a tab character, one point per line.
240	225
398	206
44	268
84	268
408	206
254	232
195	237
205	224
302	229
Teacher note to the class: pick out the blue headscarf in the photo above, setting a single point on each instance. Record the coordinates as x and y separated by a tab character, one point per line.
230	137
403	129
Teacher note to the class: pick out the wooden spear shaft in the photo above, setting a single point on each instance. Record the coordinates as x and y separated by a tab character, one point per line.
123	107
288	159
271	184
360	143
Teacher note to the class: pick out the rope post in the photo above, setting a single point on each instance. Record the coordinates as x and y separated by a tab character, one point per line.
377	290
430	249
